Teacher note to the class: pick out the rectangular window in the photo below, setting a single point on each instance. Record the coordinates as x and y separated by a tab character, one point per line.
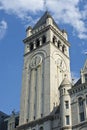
86	99
82	118
67	120
85	78
67	104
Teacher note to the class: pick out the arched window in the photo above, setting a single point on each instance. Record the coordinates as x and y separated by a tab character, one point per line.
41	128
59	43
43	39
37	43
54	39
81	109
31	46
63	48
80	100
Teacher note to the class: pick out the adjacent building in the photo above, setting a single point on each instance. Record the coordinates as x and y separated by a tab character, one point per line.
78	96
12	121
3	125
9	122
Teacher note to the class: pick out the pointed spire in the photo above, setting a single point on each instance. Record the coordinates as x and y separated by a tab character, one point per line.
65	81
42	20
85	65
84	72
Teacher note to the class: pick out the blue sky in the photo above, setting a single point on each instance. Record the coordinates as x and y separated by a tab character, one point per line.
15	16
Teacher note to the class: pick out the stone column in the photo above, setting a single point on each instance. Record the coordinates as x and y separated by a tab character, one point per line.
38	90
32	95
85	108
56	42
34	44
27	48
40	41
61	47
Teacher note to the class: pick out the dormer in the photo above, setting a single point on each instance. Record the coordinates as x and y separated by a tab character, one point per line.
84	73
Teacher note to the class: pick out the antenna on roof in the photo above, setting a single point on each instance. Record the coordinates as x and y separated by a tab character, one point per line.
45	4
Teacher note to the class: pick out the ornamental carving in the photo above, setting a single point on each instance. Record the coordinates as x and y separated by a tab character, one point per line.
36	61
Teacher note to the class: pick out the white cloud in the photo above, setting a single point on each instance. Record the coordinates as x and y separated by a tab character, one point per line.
68	12
3	28
21	8
84	52
17	6
72	12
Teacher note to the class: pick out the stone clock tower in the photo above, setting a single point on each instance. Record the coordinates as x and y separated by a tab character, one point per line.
46	64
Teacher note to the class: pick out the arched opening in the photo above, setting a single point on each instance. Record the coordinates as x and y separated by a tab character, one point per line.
37	43
58	43
31	46
63	48
81	109
54	39
80	100
43	39
41	128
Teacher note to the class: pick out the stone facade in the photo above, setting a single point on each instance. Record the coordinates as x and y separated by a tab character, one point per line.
78	95
3	124
12	121
9	122
46	63
48	99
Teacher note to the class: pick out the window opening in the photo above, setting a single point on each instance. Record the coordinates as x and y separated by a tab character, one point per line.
67	104
37	43
58	44
54	39
67	120
31	46
41	128
82	118
81	109
63	49
86	78
43	39
86	99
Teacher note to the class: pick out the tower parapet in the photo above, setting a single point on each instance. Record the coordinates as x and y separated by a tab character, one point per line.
84	73
29	31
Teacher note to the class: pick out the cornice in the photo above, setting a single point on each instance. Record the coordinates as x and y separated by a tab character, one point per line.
38	121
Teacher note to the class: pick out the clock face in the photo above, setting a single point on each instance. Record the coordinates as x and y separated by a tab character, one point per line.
36	61
61	64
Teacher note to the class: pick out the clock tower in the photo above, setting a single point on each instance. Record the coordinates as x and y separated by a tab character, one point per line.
46	64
